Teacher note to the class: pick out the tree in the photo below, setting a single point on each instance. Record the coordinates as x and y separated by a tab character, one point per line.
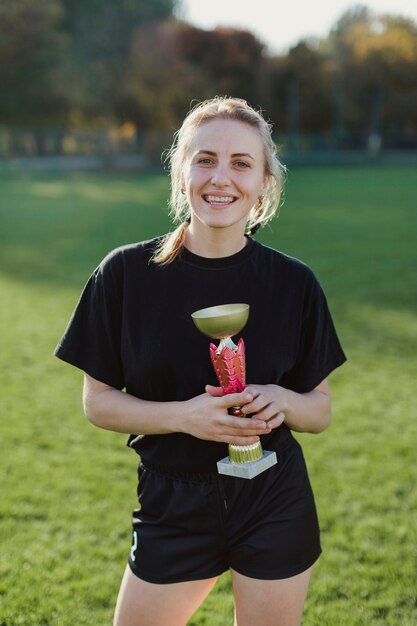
229	59
376	70
300	98
31	50
158	81
64	60
101	33
171	64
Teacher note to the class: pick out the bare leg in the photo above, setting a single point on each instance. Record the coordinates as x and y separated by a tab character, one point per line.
145	604
270	602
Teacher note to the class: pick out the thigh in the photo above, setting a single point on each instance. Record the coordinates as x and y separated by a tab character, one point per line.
147	604
270	602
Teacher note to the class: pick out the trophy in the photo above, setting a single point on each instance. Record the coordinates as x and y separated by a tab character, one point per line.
223	322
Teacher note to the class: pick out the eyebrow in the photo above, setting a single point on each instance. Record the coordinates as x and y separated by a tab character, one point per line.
234	155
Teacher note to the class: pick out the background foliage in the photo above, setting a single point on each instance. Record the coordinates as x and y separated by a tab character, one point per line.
107	63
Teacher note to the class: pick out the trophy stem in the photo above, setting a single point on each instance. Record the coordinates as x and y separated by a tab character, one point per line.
226	342
245	454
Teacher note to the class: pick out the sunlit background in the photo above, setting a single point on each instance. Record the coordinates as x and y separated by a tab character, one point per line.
280	26
109	82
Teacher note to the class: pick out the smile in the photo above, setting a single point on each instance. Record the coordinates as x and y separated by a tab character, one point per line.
219	199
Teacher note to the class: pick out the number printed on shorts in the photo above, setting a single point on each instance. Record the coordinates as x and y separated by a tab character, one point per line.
134	546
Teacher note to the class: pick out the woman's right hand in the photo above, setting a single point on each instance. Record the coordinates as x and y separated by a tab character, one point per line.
206	417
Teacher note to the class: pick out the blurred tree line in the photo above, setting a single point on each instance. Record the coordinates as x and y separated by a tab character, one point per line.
78	64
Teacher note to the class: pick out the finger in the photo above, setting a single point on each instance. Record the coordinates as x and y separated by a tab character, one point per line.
240	441
257	404
276	421
237	399
262	400
244	423
267	413
252	390
216	392
249	432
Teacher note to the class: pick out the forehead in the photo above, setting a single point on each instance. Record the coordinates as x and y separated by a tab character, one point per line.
226	136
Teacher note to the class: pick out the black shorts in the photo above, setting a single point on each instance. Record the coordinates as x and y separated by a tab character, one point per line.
196	526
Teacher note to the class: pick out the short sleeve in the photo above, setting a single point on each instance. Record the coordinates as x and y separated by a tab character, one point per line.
92	340
319	351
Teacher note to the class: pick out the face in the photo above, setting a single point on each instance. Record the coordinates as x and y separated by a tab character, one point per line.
224	174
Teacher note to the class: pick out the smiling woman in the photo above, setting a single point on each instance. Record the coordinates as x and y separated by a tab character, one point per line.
243	139
148	374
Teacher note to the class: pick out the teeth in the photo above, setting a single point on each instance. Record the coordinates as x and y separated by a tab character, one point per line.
222	199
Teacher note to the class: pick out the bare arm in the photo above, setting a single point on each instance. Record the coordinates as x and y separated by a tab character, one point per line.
302	412
204	416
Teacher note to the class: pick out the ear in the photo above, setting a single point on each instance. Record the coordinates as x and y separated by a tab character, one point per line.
265	184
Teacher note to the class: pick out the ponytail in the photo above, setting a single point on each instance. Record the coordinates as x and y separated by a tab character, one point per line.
171	245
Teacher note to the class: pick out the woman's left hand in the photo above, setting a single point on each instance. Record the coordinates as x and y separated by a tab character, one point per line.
269	402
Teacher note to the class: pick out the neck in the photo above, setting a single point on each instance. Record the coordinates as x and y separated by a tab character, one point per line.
215	243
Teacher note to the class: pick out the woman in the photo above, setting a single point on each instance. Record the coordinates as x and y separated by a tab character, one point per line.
132	330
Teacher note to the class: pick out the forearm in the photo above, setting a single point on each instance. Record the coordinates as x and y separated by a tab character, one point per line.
203	416
121	412
308	412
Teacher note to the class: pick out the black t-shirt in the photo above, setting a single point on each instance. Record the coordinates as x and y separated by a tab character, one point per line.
132	329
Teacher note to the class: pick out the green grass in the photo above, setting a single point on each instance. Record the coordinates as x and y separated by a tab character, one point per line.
68	489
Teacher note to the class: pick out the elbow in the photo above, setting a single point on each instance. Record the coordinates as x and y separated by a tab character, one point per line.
324	416
322	408
324	419
91	409
90	416
97	397
322	423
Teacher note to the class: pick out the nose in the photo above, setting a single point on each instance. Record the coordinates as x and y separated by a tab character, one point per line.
220	177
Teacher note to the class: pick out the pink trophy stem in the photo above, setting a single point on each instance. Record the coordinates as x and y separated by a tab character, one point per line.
230	367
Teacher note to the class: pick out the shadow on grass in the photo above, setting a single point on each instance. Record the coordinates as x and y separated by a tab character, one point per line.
56	228
354	226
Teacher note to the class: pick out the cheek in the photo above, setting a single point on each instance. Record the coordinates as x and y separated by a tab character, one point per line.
193	179
255	188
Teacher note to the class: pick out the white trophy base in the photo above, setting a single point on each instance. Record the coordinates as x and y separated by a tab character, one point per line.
247	470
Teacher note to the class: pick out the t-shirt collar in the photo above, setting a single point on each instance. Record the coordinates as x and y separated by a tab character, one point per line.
218	262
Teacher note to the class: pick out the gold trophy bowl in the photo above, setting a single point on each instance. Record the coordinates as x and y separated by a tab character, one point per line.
223	322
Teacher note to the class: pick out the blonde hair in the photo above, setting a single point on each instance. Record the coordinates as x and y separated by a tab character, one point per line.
227	108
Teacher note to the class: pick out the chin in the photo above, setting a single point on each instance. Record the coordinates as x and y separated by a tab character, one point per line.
218	225
222	221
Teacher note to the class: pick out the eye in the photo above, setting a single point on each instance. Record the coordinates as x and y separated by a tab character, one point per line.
242	164
205	161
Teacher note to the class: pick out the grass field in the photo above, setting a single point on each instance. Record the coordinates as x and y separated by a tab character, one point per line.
68	489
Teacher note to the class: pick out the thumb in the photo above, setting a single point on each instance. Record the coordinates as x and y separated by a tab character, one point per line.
216	392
